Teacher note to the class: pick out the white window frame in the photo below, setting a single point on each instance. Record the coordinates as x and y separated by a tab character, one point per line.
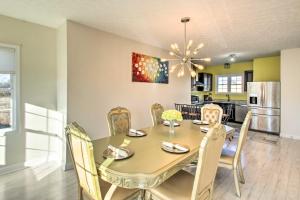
16	93
229	84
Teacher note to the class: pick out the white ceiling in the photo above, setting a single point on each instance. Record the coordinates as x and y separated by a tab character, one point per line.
249	28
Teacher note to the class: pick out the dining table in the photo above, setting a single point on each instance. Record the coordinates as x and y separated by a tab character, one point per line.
150	165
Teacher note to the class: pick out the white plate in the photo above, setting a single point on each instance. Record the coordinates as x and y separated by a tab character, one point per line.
204	129
110	154
175	150
132	134
198	122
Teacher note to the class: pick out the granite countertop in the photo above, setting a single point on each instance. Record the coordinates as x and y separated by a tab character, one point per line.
223	101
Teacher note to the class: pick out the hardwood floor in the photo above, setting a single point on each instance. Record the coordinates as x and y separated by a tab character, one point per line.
271	168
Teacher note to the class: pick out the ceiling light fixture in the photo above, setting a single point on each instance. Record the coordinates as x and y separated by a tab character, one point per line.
232	58
185	57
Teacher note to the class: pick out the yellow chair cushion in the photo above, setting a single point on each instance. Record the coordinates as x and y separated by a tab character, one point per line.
120	193
177	187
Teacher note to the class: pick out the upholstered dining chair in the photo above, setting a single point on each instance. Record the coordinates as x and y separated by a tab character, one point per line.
211	113
119	121
232	159
156	112
89	184
184	185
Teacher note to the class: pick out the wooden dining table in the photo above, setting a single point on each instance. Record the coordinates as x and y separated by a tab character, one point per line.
150	165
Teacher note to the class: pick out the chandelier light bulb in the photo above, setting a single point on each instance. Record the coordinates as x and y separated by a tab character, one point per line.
171	53
200	67
193	74
173	46
206	59
188	52
189	44
200	46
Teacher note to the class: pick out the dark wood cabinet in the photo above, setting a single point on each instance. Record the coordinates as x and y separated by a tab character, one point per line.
248	77
204	82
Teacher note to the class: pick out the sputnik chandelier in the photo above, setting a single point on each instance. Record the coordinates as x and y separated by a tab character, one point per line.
185	57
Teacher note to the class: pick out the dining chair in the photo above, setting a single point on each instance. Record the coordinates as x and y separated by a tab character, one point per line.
156	112
184	185
211	113
89	184
227	112
231	159
119	121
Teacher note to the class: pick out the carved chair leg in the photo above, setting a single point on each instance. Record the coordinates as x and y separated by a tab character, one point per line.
242	178
236	182
80	195
142	195
211	192
148	195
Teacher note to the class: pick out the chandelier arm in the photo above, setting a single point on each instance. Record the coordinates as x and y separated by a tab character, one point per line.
202	59
196	59
178	56
171	59
192	63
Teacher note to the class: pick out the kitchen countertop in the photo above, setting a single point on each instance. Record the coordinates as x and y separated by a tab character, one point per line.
223	101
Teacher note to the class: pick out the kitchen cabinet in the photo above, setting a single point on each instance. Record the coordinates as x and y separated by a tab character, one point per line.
204	82
248	77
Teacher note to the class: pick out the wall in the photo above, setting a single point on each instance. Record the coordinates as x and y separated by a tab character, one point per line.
290	95
38	82
266	69
99	78
236	68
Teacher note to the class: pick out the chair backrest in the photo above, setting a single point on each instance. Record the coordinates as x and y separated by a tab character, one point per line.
119	121
156	112
82	154
242	137
209	155
211	113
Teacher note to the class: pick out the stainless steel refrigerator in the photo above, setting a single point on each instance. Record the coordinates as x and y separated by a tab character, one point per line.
263	99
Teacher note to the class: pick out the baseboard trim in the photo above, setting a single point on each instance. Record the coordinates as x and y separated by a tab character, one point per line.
11	168
68	166
290	137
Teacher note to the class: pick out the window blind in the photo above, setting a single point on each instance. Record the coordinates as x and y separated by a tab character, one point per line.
7	59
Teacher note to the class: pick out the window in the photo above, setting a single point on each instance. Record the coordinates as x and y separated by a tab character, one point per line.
229	84
222	84
6	100
8	69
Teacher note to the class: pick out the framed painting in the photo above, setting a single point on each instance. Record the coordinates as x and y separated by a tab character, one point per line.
149	69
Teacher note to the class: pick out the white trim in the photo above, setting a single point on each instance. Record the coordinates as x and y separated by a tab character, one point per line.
294	137
229	84
11	168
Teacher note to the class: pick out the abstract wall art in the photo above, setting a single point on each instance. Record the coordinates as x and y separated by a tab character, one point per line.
149	69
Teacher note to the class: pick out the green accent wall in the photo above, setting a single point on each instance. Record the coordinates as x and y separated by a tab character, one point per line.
236	68
266	69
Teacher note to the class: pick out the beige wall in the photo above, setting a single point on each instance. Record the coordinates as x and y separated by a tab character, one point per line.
290	95
99	78
38	76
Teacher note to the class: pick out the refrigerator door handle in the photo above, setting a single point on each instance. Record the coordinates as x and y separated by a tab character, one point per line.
263	95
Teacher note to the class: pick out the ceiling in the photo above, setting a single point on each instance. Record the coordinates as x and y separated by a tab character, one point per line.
249	28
